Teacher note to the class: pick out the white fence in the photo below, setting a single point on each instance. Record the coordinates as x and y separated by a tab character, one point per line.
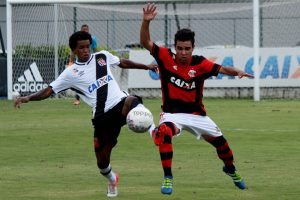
269	29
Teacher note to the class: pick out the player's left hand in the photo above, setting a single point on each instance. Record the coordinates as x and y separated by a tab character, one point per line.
153	67
242	74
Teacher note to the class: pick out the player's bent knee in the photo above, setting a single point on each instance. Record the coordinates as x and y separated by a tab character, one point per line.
170	128
130	103
136	100
163	135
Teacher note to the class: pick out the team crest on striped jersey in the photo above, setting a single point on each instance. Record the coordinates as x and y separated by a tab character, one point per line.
101	62
192	73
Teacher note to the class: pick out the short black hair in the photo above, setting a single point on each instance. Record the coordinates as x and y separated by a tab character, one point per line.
84	25
77	36
185	34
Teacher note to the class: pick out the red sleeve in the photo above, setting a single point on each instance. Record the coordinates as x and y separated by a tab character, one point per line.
213	68
158	52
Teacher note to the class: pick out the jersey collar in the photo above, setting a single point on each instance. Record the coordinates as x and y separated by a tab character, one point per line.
87	62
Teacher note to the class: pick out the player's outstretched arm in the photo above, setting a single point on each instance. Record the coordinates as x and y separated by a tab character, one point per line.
231	71
149	13
128	64
40	95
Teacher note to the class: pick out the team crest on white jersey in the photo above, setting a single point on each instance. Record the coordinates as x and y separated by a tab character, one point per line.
192	73
101	62
99	83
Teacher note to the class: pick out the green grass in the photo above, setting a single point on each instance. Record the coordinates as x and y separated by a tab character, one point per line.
46	152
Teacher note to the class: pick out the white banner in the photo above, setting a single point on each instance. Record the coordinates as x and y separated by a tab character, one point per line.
279	67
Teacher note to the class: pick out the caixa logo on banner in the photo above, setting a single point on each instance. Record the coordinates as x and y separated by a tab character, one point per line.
30	81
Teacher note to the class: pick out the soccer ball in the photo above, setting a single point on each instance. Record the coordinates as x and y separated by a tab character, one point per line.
139	119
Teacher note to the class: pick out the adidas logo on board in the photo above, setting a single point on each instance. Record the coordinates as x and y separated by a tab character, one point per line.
30	81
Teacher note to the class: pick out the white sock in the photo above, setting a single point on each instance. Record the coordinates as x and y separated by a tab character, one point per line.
152	127
109	174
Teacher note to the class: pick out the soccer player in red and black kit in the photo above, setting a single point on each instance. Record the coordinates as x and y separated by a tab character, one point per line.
182	77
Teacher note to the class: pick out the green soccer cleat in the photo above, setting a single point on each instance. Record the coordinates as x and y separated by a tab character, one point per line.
167	185
237	179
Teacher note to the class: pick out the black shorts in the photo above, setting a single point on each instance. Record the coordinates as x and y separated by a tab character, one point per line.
107	127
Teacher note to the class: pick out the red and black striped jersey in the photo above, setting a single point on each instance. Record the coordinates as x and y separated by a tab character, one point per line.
182	86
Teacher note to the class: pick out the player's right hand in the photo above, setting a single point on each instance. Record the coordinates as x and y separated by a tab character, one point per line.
18	101
153	67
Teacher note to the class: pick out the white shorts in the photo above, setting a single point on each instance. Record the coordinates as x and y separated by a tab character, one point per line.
195	124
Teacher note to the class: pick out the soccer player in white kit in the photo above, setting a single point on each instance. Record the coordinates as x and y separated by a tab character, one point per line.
90	76
182	77
93	47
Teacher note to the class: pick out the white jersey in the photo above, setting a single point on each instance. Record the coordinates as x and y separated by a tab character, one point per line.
93	82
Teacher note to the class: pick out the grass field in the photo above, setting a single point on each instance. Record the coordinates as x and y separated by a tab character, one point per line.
46	152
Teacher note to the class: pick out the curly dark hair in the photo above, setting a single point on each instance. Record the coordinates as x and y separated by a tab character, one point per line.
77	36
185	34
